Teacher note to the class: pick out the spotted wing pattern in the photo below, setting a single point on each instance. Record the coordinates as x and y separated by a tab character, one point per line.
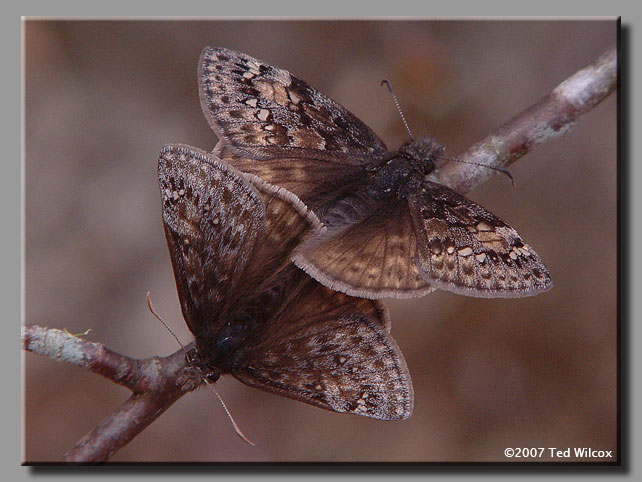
213	220
464	248
264	112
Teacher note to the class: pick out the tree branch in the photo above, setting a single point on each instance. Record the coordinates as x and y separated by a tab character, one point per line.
154	380
553	116
118	429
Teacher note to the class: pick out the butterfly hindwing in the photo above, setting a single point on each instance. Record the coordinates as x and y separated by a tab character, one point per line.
368	250
311	300
286	222
341	359
315	183
466	249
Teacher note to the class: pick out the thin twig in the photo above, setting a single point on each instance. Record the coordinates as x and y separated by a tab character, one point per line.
553	116
62	346
154	380
119	428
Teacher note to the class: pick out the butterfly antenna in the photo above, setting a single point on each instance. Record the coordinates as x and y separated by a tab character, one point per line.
151	308
236	427
229	415
394	98
502	170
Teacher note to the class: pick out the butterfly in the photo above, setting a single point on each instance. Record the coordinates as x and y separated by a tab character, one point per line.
253	313
390	232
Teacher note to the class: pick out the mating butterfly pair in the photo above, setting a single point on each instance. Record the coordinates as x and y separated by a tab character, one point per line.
384	231
253	313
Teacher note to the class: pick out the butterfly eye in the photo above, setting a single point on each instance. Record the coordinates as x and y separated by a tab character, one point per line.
229	338
191	356
429	166
212	377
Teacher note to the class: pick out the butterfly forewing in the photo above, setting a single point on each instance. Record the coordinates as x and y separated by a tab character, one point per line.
466	249
264	112
213	220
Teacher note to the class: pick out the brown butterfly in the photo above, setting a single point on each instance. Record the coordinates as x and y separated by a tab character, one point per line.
253	313
389	231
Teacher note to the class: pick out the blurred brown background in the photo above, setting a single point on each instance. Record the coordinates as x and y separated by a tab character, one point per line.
102	97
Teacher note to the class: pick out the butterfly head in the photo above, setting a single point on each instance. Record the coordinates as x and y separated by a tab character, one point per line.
198	371
422	153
